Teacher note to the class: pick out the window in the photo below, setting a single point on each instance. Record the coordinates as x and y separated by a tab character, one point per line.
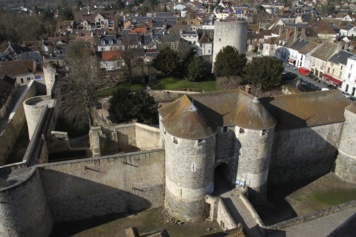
351	67
241	131
175	141
201	141
21	80
264	132
225	129
349	76
209	51
28	78
219	39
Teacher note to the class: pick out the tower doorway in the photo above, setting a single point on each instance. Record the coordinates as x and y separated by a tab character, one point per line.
222	179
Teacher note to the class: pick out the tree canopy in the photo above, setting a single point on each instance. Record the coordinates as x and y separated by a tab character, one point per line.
229	62
264	72
196	69
65	11
15	27
166	61
126	106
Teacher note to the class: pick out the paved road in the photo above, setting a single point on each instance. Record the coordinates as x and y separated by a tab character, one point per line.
305	78
341	224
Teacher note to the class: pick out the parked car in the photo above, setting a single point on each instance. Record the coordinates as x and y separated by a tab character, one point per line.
347	95
293	67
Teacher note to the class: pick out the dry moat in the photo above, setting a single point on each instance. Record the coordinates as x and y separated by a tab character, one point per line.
285	202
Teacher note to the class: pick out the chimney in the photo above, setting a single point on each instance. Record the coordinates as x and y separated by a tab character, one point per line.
248	89
288	33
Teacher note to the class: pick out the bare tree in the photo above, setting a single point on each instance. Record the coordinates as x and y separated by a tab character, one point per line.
228	83
131	53
79	86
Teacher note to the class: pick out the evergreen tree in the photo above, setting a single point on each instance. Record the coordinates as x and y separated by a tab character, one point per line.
119	4
65	11
196	69
229	62
264	72
126	106
166	61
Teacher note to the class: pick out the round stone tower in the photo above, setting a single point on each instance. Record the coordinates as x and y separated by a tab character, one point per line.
49	75
190	155
346	161
254	131
232	33
34	108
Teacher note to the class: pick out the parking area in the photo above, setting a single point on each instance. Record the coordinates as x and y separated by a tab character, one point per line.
310	82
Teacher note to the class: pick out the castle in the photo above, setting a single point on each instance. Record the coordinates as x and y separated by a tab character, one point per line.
273	140
252	141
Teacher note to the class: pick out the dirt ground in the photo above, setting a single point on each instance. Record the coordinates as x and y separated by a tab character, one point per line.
146	222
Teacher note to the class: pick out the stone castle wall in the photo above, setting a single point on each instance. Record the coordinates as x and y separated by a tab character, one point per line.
303	153
346	161
15	124
189	174
147	137
227	151
24	210
122	183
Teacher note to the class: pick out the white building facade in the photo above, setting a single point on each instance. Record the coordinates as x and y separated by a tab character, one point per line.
349	80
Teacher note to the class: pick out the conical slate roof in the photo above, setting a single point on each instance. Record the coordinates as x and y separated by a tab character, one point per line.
198	115
251	114
235	108
183	119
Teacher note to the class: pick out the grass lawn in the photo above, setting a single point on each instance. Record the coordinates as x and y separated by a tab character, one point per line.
170	83
323	193
166	83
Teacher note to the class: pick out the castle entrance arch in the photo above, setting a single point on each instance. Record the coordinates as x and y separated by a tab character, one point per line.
222	179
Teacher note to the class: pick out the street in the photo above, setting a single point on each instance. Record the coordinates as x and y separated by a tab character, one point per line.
307	84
